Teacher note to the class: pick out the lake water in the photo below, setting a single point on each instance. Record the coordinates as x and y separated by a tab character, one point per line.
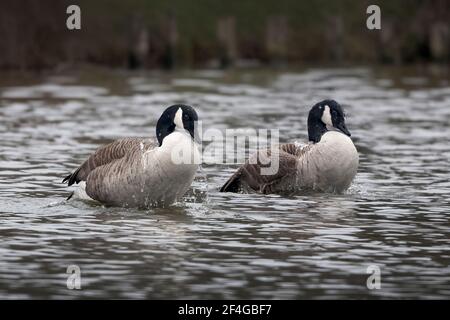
213	245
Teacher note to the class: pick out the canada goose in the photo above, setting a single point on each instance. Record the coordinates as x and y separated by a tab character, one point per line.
327	163
140	172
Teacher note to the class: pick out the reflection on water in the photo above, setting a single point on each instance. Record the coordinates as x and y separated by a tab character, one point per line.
217	245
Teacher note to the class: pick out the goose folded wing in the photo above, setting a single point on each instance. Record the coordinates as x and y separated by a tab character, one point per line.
260	173
104	155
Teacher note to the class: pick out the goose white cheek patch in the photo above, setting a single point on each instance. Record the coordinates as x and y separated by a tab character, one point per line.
178	120
326	117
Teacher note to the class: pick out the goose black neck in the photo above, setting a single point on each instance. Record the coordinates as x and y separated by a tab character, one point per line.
316	129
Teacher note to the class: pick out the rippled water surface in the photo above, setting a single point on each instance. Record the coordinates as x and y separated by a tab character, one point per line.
213	245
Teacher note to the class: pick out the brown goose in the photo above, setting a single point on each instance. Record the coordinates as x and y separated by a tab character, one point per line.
327	163
141	172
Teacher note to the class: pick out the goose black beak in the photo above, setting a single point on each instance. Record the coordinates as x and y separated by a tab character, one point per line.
343	128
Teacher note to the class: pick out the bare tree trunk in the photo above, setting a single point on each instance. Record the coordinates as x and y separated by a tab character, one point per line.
277	35
226	33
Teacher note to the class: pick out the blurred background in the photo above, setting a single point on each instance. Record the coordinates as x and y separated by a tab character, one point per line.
214	33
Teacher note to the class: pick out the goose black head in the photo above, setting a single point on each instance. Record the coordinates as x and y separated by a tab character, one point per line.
325	116
176	117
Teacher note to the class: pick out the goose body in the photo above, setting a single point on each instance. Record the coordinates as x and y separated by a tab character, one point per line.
328	163
141	172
